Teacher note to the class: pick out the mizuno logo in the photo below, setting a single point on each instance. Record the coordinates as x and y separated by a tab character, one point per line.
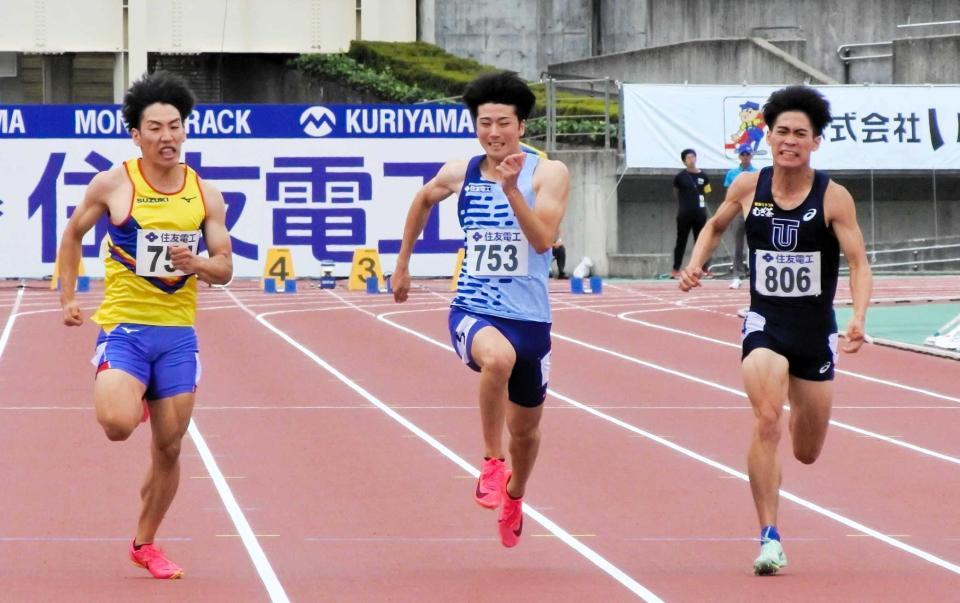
189	199
130	330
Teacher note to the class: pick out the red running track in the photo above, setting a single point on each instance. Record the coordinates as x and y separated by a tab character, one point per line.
349	504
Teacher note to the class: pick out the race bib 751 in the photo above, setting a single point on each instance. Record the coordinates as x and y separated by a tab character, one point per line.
153	250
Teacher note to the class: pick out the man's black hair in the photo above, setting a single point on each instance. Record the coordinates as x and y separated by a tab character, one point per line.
685	152
798	98
501	87
158	87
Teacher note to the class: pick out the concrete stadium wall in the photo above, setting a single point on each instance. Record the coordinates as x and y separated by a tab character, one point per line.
824	29
589	227
927	60
529	36
892	210
726	61
523	36
624	25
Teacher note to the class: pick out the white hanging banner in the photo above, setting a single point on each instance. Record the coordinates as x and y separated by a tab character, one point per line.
319	180
873	127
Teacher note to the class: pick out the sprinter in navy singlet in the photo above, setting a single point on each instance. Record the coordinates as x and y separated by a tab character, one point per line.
797	222
510	204
794	260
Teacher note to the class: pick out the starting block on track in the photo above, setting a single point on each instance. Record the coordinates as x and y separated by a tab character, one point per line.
373	285
593	285
327	280
273	285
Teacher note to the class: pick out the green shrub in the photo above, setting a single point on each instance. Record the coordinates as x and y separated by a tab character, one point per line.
344	69
408	72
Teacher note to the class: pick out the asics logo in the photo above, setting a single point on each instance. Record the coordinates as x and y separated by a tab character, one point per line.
810	214
825	368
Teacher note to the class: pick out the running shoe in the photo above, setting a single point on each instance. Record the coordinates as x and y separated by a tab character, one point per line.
152	558
735	283
510	522
771	559
490	483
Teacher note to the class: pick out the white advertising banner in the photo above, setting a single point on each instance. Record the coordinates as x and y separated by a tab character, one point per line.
321	181
873	127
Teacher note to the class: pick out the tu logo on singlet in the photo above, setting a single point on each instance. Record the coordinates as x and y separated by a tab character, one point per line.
785	233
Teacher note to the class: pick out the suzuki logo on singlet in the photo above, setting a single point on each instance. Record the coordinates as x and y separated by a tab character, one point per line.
785	233
318	121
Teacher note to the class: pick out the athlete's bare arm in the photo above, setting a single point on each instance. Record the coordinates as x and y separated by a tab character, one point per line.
841	215
448	181
551	185
95	203
217	269
737	201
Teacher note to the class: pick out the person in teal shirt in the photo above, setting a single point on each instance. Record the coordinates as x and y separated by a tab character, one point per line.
746	156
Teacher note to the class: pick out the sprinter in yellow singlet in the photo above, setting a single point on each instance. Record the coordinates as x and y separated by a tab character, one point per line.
147	352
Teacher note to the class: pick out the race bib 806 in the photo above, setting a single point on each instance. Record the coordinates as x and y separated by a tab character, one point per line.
787	273
496	252
153	250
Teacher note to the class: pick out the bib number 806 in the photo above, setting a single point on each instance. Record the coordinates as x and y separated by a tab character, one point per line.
787	280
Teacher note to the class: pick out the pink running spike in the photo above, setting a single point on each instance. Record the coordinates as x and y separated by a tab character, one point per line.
152	558
510	522
490	483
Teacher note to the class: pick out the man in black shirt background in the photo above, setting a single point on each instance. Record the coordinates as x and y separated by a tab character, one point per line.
690	187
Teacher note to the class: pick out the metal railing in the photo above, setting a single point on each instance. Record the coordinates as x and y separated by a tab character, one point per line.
843	51
553	124
928	24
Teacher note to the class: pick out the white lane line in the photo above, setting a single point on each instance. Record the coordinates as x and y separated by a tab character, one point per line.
710	462
5	337
249	539
591	555
894	384
267	575
913	447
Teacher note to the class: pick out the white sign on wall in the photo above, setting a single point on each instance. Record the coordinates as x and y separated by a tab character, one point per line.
873	127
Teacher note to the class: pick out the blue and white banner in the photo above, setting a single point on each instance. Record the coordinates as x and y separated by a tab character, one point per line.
873	127
320	180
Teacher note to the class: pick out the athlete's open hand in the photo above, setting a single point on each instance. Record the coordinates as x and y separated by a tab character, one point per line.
509	170
855	336
690	278
400	282
71	314
183	259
